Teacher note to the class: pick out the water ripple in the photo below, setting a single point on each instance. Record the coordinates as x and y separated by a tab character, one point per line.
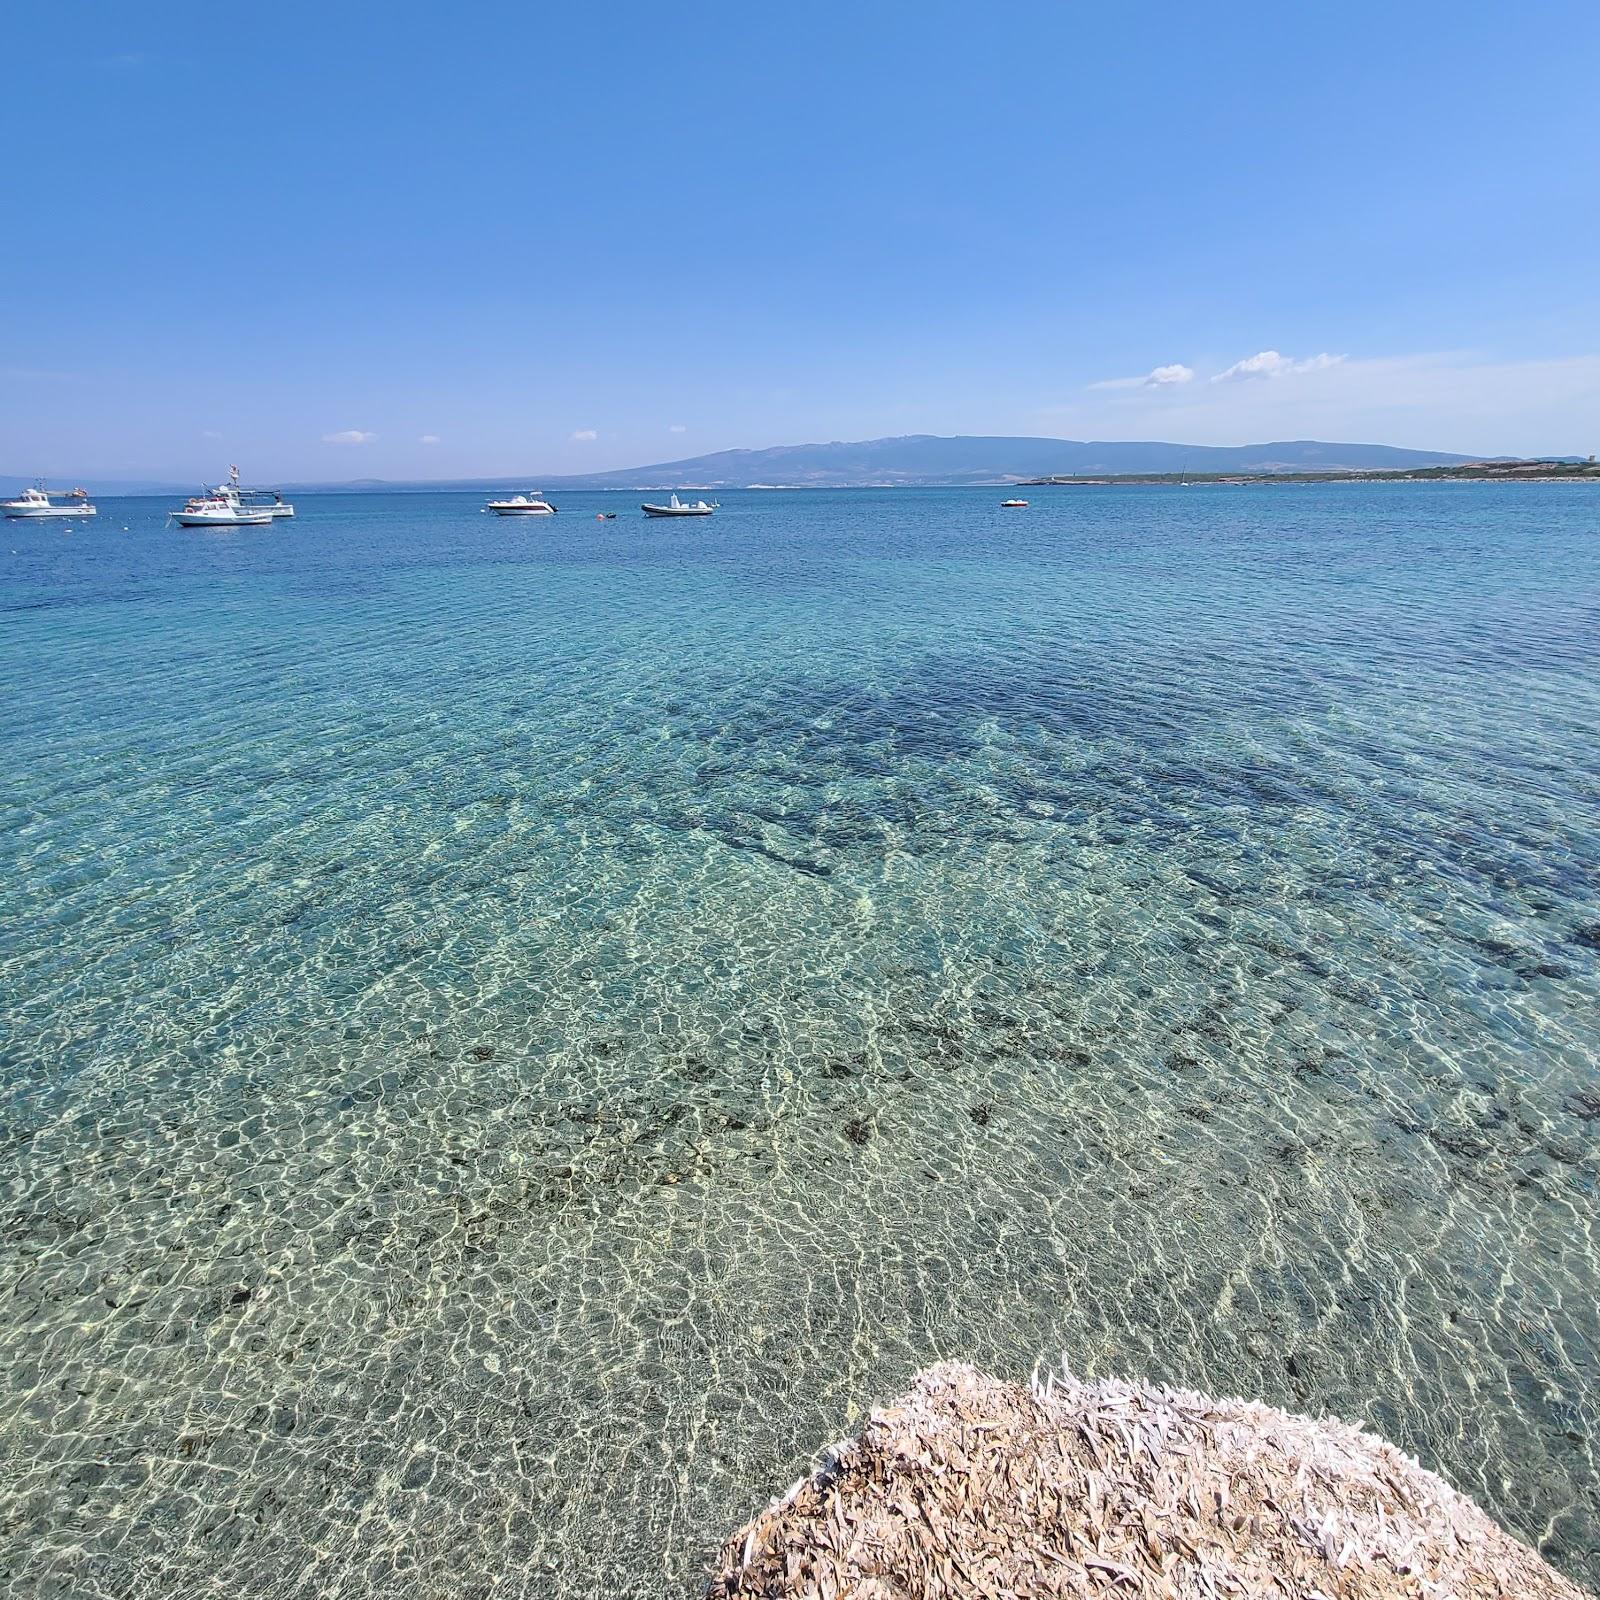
513	1037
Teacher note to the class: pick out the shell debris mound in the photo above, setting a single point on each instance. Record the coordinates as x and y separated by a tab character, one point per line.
969	1486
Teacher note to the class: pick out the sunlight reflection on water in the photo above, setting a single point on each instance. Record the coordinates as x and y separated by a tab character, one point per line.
513	1038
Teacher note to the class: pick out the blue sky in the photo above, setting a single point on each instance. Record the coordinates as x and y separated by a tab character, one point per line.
311	237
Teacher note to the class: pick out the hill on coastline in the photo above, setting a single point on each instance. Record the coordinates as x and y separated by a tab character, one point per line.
934	461
927	459
914	461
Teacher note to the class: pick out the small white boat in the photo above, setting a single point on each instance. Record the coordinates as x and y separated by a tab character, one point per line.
677	508
40	502
1019	503
522	505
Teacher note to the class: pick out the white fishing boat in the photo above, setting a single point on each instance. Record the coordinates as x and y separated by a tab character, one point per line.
1020	504
40	502
229	506
678	508
268	500
217	509
522	505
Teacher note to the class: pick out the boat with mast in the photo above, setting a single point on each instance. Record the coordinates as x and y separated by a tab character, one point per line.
262	499
41	502
229	506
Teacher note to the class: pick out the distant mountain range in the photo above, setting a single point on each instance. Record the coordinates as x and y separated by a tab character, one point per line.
918	460
932	461
927	459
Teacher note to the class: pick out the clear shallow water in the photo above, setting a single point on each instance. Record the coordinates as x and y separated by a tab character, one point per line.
516	1034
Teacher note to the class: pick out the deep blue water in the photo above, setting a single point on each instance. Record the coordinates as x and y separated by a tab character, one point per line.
516	1033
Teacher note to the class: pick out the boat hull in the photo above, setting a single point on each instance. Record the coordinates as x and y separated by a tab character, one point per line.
221	519
677	511
523	511
26	513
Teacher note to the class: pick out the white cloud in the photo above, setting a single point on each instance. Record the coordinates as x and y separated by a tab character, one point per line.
1269	364
209	433
1439	400
677	427
1156	378
429	438
584	435
349	436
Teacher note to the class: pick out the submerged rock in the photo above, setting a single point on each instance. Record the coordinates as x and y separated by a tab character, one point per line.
973	1487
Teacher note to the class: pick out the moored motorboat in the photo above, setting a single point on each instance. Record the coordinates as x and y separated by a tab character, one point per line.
522	505
229	506
268	500
215	509
40	502
677	508
1021	503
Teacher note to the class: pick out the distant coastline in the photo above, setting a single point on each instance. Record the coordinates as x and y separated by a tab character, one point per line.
1473	472
912	461
1515	472
926	461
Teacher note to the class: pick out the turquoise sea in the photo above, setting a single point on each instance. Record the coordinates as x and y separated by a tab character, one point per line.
515	1033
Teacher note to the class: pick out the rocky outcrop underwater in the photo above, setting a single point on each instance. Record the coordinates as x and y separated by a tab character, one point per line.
973	1487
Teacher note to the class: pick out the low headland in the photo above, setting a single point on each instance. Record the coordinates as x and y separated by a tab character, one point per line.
968	1486
1535	471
